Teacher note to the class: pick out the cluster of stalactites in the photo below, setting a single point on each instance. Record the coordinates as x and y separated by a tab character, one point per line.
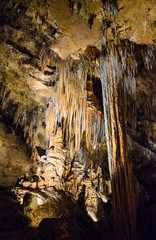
70	109
120	65
119	68
118	82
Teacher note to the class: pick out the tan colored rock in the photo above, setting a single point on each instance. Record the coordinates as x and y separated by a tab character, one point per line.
55	101
33	185
41	184
26	184
137	24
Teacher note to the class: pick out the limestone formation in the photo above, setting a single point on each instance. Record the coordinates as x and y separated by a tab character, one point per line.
77	112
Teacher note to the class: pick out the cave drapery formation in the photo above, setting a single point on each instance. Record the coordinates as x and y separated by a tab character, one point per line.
77	114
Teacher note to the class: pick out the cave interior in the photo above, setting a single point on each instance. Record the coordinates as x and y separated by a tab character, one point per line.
78	119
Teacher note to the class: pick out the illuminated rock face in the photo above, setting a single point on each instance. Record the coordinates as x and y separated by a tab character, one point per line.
74	131
51	91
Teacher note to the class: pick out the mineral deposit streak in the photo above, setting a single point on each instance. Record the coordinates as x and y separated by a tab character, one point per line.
117	82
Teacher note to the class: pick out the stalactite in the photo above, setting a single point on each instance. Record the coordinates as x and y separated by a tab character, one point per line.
119	68
71	109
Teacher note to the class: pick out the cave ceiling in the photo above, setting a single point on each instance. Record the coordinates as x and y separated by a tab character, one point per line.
33	31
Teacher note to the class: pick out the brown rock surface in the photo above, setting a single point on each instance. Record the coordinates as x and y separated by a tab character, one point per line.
14	158
50	92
